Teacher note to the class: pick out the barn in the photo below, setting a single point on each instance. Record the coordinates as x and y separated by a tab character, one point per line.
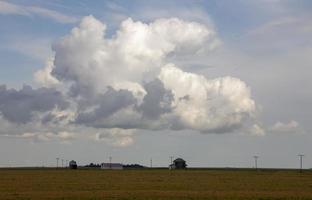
178	163
111	166
72	164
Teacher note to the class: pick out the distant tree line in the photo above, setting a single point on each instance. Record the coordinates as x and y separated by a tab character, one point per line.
133	166
127	166
94	165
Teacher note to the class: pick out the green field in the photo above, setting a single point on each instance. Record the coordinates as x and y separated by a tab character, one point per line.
154	184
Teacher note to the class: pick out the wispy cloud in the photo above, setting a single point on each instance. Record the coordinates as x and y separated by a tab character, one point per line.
292	127
36	48
7	8
64	137
287	24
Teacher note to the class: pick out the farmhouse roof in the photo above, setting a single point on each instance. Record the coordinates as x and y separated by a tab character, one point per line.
179	160
72	162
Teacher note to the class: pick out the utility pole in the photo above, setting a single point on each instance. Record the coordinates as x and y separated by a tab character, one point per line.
256	162
62	163
151	163
301	157
110	162
171	161
57	160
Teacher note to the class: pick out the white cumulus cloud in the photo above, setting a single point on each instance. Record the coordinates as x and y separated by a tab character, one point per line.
44	77
217	105
112	85
116	137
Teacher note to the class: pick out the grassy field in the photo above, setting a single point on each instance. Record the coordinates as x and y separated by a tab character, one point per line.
153	184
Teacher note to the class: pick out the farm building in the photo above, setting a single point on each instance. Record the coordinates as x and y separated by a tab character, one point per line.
178	163
72	164
111	166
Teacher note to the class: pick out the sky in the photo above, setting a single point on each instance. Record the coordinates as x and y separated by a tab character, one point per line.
213	82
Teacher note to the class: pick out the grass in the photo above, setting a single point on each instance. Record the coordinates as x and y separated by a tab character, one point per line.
160	184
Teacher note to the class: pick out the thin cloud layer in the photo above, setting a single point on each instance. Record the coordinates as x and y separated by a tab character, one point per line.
291	127
125	82
7	8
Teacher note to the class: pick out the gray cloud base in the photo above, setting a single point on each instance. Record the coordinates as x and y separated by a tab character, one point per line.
18	106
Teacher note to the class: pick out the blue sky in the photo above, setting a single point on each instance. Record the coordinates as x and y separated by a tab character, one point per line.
266	44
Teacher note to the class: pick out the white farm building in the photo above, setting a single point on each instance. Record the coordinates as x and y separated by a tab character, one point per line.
111	166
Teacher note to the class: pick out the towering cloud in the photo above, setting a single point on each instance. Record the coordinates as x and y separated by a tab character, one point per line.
125	81
136	53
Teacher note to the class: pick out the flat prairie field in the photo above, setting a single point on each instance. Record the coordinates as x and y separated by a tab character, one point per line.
40	184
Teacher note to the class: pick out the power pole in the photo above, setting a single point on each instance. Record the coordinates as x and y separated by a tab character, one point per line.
256	162
151	163
62	163
110	162
301	159
57	160
171	161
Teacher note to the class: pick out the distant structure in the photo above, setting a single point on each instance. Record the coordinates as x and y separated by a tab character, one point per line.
133	166
178	163
72	164
111	166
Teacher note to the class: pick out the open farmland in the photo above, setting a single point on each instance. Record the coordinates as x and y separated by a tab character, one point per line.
154	184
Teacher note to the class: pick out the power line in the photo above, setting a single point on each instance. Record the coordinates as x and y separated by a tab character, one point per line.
256	162
301	160
110	162
57	161
171	161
